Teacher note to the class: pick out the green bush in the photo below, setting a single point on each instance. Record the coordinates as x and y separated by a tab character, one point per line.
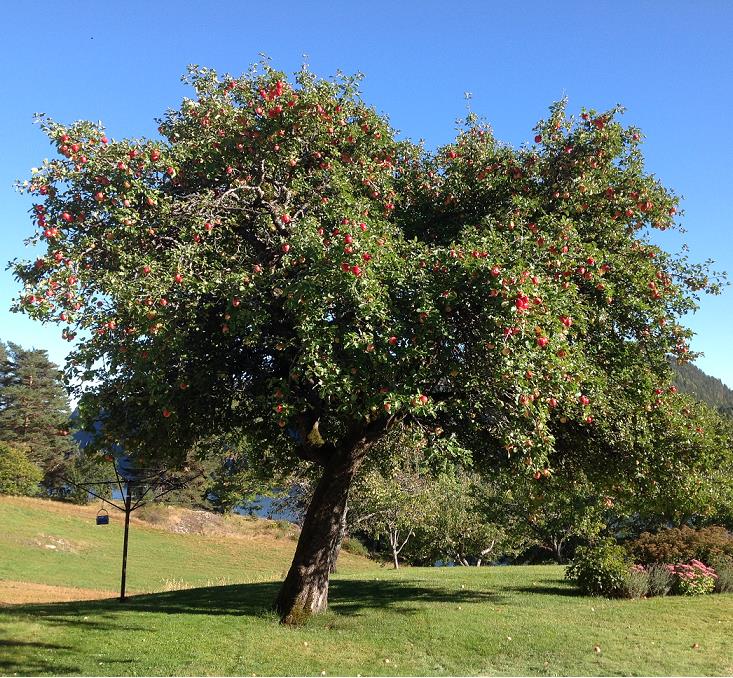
681	545
636	584
18	474
660	580
353	545
724	582
601	570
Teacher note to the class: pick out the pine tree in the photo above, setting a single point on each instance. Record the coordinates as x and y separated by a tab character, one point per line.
6	373
34	410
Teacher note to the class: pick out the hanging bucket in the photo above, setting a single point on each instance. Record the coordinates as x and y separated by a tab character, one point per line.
102	517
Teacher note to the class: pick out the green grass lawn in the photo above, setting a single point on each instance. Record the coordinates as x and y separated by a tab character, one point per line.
448	621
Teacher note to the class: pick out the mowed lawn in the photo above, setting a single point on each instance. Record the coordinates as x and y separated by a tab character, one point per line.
447	621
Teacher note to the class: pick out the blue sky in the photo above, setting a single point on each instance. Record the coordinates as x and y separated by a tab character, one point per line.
669	62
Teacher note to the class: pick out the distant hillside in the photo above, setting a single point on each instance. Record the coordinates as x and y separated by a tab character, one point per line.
693	380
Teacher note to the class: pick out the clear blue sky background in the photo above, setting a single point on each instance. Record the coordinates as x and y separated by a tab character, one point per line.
669	62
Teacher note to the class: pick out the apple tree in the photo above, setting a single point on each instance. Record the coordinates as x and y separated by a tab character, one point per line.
276	264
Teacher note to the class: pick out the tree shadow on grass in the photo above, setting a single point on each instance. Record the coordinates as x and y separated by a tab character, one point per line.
551	587
351	597
22	657
347	597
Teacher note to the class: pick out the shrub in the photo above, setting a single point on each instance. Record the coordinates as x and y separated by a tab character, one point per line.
660	579
353	545
693	579
680	545
724	582
18	474
636	584
155	514
600	570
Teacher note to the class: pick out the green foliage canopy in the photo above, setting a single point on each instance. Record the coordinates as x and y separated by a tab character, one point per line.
277	262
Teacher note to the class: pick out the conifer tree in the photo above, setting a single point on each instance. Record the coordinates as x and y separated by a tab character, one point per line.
34	410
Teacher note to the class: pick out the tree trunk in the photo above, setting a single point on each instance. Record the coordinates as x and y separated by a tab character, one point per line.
485	552
305	589
337	544
395	552
557	549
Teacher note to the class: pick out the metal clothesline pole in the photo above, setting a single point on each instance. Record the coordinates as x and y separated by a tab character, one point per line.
129	507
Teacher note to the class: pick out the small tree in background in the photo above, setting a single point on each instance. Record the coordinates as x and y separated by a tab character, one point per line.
18	474
464	527
553	511
397	498
277	263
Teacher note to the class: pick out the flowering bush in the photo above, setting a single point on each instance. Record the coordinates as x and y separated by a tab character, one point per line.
693	578
605	570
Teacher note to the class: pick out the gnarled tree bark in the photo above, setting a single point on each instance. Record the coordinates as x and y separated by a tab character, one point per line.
305	589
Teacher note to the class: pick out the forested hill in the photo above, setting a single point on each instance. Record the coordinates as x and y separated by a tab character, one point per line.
693	380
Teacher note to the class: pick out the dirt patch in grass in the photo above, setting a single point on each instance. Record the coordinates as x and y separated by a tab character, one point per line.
47	541
21	592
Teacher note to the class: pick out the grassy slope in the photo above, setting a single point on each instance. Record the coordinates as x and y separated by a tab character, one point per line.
90	556
514	620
